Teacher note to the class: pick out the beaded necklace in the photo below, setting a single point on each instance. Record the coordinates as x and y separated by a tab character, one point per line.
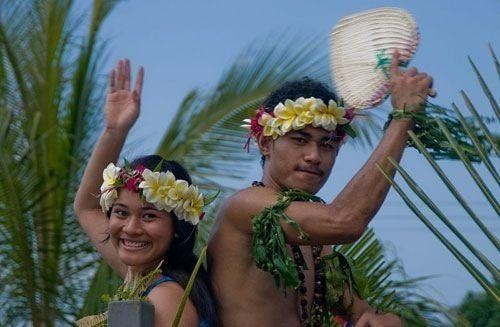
315	316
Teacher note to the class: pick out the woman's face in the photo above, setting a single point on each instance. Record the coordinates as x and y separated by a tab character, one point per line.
140	233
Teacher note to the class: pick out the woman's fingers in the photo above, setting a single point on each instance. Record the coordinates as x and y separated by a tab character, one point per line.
127	75
119	79
112	82
121	75
139	81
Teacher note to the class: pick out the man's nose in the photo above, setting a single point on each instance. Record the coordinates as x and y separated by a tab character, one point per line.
312	154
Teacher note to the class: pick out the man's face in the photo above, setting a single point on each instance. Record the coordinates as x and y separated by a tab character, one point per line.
300	159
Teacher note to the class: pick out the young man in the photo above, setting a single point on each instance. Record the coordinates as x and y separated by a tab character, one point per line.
299	153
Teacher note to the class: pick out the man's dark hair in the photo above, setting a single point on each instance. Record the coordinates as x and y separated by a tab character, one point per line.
304	87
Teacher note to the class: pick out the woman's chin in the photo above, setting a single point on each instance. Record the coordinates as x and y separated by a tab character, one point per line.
134	258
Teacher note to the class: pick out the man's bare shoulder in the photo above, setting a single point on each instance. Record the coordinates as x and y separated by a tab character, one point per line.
239	209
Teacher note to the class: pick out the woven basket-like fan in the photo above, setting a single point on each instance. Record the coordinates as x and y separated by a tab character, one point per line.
361	48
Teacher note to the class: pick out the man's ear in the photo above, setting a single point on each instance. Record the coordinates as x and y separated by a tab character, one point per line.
265	144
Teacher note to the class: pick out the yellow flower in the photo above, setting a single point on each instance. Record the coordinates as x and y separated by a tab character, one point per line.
176	193
109	175
271	125
190	208
286	112
328	117
303	111
107	199
156	186
338	112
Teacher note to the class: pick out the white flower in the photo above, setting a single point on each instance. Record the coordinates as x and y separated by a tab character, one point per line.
176	193
190	207
156	186
107	199
328	117
110	175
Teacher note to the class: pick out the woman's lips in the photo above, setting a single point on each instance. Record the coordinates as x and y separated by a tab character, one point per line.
133	245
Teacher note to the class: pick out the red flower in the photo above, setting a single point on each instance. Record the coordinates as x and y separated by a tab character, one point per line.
350	114
132	184
140	169
254	123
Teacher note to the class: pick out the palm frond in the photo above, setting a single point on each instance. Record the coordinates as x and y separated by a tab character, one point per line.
49	86
490	286
389	289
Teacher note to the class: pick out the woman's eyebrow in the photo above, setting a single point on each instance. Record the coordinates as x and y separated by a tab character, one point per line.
148	207
119	204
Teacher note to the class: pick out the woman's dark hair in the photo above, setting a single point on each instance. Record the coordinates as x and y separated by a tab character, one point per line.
180	260
304	87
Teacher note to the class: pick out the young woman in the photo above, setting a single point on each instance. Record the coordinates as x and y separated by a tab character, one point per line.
149	211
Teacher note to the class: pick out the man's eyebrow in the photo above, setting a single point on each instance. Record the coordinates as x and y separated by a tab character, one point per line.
328	138
302	133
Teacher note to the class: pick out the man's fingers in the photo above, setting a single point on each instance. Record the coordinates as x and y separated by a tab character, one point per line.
425	82
421	76
139	81
127	75
395	70
412	72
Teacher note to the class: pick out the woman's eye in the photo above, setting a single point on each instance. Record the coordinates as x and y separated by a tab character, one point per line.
120	213
149	216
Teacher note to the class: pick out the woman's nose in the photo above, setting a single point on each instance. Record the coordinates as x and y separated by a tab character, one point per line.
133	225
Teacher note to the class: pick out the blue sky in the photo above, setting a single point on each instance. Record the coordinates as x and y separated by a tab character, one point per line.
187	44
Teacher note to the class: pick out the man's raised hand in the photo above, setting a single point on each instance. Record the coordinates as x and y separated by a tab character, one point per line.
410	88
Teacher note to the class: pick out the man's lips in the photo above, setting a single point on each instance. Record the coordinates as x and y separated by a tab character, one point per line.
311	171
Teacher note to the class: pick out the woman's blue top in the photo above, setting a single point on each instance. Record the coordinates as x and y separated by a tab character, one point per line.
163	279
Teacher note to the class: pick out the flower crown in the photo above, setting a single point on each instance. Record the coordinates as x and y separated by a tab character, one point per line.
295	115
161	189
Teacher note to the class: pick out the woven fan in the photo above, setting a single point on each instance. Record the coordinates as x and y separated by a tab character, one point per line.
361	48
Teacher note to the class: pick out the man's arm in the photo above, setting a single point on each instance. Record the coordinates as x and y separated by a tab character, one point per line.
346	217
361	313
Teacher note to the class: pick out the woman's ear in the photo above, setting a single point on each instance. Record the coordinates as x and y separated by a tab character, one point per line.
265	144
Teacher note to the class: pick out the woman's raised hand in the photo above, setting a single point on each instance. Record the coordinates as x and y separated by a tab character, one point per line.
123	105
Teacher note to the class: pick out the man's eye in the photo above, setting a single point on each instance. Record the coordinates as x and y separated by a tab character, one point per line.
328	145
300	140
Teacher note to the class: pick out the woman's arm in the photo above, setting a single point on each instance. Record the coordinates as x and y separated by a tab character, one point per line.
121	112
166	298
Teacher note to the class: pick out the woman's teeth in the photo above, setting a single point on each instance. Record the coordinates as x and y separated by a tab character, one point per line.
134	244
